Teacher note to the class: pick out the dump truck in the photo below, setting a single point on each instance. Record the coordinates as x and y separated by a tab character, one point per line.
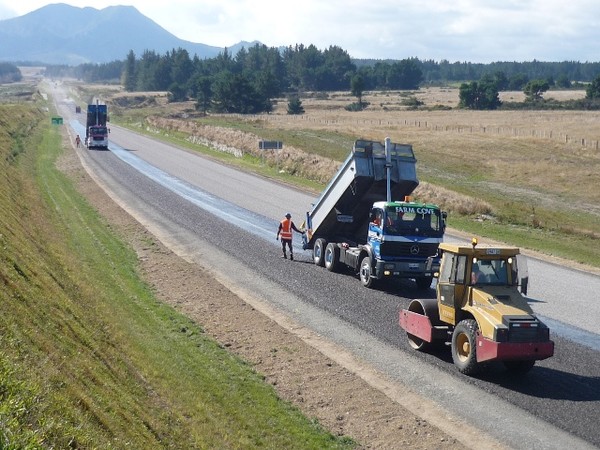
357	224
96	130
480	311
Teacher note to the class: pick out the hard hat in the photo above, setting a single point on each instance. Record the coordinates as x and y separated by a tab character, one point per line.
288	215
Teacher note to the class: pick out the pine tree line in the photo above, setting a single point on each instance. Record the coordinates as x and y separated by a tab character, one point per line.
248	81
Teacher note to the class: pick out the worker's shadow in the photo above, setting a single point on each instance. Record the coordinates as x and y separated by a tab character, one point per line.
302	260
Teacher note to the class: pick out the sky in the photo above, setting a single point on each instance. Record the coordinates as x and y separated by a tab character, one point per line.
479	31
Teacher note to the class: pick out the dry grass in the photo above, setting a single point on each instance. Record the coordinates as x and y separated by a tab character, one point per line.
451	200
546	158
292	160
386	111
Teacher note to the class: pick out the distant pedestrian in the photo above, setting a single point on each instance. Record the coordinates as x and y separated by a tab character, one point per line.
78	141
285	231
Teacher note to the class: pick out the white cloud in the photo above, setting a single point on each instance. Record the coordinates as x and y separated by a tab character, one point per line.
6	11
458	30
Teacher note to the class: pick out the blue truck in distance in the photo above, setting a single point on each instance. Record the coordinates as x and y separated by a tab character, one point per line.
356	224
96	130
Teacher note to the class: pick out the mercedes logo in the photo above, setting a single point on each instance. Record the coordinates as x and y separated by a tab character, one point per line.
414	250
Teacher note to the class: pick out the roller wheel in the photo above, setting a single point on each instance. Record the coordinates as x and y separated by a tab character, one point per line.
414	341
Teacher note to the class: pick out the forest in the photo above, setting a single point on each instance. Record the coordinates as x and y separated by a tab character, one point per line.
248	81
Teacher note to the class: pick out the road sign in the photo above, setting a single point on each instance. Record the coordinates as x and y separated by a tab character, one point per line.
270	145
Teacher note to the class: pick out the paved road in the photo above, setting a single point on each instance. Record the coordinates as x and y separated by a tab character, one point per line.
227	220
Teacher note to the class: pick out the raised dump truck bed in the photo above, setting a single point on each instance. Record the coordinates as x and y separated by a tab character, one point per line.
343	208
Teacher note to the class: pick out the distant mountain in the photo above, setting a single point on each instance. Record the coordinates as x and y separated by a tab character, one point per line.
64	34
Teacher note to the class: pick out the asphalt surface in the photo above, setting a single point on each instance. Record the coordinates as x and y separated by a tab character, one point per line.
211	214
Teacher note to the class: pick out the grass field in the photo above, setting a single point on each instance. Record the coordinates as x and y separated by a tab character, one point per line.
88	357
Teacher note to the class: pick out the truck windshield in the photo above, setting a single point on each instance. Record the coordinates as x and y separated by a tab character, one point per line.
418	221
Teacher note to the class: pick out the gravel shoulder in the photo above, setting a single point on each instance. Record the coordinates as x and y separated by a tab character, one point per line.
338	398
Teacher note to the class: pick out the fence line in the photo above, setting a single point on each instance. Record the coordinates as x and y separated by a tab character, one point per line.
500	131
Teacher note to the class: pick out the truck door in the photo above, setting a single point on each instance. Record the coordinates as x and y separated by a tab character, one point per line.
451	285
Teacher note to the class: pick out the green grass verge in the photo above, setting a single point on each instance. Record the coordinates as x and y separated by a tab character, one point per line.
88	357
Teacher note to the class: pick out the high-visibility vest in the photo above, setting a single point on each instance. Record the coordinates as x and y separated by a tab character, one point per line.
286	229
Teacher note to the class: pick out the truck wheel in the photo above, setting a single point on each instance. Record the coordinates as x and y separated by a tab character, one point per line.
365	272
319	252
332	257
423	282
519	367
464	347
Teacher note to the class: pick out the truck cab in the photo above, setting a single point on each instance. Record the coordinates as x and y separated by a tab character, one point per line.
404	237
481	310
97	137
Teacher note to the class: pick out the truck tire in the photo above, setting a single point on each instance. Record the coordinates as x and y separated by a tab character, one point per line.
332	257
519	367
319	252
424	282
365	272
464	347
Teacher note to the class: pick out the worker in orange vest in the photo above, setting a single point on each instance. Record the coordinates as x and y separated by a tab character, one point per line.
285	231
